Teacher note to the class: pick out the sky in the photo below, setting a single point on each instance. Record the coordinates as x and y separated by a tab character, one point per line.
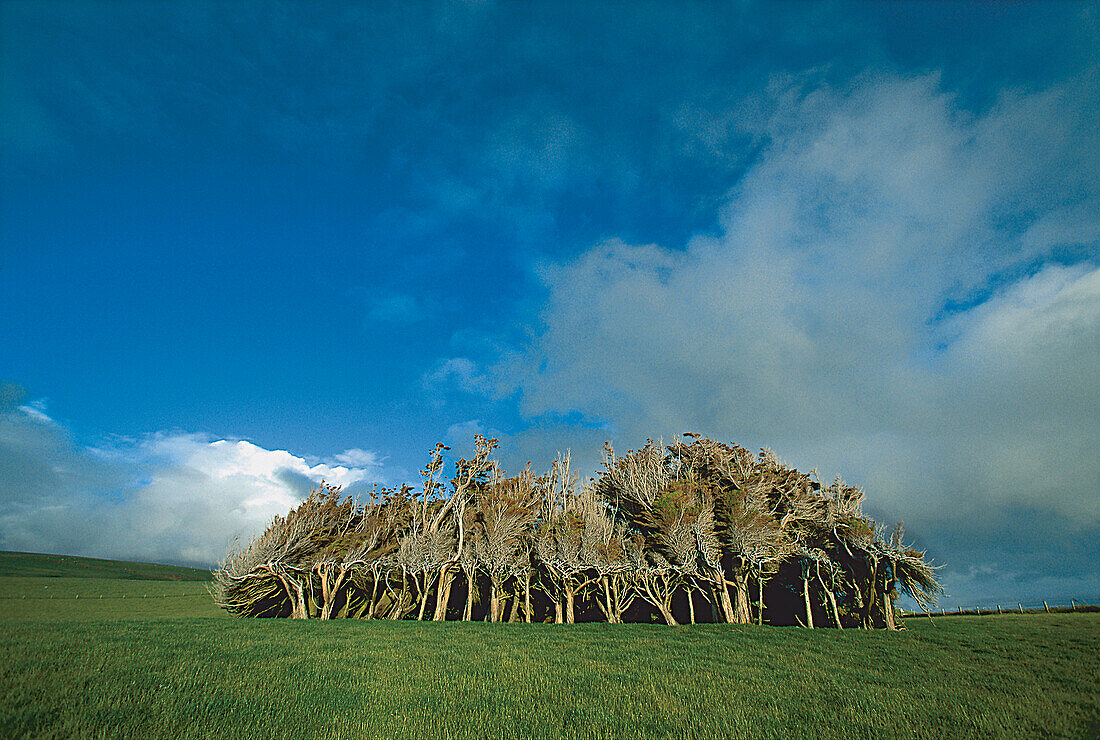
244	250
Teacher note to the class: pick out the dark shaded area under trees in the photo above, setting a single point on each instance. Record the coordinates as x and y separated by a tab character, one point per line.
695	531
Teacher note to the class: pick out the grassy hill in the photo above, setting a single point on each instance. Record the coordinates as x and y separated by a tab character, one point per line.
67	588
121	657
30	564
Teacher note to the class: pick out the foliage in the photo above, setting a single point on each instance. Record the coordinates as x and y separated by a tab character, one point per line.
695	531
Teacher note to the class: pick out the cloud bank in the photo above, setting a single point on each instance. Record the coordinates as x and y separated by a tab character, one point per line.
899	290
170	497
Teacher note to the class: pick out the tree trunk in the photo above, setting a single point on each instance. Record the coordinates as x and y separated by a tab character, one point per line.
744	616
806	594
729	616
330	590
527	597
301	610
399	602
471	584
294	594
514	615
323	572
830	599
607	600
861	624
494	599
888	611
373	597
428	578
760	608
658	592
443	593
667	614
836	612
691	605
558	612
872	600
569	600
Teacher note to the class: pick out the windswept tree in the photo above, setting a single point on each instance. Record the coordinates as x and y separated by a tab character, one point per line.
697	530
578	546
498	521
662	516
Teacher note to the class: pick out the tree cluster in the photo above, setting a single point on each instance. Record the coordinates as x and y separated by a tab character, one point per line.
694	531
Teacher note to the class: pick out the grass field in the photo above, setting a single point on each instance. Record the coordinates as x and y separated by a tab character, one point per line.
66	588
69	566
127	673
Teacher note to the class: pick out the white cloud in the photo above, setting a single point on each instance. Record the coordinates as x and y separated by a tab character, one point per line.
1020	395
359	458
460	373
171	497
464	431
819	320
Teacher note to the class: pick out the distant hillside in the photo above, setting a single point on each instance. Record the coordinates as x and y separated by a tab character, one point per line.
29	564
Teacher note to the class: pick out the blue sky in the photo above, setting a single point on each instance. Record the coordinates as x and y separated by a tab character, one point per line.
242	250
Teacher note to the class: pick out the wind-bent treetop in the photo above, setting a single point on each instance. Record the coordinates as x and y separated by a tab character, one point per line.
694	531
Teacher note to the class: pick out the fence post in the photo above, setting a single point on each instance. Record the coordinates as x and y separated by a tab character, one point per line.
1073	604
998	608
1046	607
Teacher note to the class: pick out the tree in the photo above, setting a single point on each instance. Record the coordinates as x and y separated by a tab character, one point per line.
498	520
694	523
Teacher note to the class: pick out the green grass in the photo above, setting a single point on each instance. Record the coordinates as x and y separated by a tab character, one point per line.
125	672
1013	676
79	599
66	588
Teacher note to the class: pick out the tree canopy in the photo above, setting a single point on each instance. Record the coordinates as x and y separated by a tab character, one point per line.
693	531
